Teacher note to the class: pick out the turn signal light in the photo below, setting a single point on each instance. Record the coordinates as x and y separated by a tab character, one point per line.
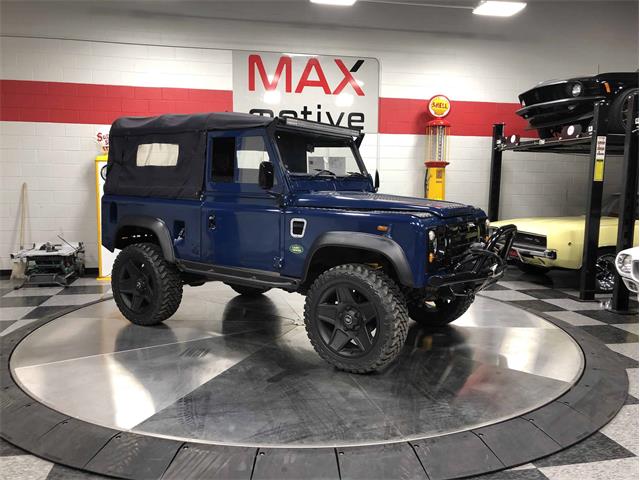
382	228
432	257
607	87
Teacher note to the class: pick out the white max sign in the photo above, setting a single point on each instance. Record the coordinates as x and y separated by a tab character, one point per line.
339	91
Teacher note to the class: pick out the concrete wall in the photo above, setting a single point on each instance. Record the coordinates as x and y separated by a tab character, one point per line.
421	51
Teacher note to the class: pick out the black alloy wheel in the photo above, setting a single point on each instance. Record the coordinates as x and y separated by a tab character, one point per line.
347	320
605	271
136	285
146	288
356	318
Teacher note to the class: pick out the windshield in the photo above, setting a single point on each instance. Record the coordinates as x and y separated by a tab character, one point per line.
611	207
308	154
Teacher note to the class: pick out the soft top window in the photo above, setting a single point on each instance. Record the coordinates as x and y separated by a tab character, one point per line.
157	155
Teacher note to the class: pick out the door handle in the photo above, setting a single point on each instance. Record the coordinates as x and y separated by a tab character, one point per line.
211	223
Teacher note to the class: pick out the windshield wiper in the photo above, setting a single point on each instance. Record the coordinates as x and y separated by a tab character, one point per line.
356	174
321	171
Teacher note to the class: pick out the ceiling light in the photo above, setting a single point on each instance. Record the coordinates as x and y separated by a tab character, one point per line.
342	3
499	9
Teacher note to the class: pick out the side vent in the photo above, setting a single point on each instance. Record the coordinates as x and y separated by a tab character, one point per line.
298	227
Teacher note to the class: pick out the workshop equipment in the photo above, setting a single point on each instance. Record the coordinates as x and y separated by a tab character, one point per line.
47	263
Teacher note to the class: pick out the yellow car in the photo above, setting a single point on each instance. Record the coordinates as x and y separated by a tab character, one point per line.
544	243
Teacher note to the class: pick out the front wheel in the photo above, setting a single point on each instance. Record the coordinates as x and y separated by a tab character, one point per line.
605	270
146	288
439	312
356	318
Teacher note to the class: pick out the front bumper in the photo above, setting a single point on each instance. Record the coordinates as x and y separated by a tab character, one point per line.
525	251
480	266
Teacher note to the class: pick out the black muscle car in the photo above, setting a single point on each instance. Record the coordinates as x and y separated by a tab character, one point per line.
554	104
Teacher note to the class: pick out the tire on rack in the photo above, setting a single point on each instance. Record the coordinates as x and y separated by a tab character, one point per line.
248	291
439	312
146	288
356	318
618	110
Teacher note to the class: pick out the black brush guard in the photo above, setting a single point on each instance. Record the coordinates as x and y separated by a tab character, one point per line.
480	266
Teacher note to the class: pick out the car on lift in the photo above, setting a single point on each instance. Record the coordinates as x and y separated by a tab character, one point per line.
555	104
545	243
259	202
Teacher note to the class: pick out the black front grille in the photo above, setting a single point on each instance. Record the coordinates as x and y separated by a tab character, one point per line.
528	239
545	93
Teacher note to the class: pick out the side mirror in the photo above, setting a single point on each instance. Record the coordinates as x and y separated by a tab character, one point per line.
265	175
376	182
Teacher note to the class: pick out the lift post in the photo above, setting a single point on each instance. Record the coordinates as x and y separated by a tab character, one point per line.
627	217
496	171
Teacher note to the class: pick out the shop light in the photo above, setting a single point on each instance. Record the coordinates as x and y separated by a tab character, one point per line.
498	8
342	3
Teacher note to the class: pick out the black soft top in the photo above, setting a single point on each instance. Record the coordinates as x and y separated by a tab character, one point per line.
168	124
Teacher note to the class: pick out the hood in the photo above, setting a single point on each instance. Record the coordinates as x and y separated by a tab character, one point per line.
545	225
379	201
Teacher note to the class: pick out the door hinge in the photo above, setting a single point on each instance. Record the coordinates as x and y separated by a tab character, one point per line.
277	262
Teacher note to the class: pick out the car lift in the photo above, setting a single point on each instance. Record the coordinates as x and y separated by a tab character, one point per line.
596	143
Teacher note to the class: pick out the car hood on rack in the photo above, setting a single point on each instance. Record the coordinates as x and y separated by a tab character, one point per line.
378	201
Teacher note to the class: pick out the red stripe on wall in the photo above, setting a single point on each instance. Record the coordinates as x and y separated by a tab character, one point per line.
402	115
30	101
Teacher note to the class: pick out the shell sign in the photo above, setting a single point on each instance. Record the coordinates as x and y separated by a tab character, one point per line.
439	106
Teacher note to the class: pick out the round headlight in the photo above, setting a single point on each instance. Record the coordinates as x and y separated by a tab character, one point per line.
623	262
432	235
576	89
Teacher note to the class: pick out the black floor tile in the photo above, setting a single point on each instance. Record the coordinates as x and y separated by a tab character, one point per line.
537	305
626	362
41	312
8	450
609	334
598	447
23	301
545	294
631	400
4	324
495	286
609	317
85	289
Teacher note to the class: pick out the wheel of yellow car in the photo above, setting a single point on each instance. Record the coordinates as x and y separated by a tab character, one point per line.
605	270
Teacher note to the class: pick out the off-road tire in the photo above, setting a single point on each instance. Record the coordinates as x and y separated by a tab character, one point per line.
443	313
529	268
247	291
391	314
167	291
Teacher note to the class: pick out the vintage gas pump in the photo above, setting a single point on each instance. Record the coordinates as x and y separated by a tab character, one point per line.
437	133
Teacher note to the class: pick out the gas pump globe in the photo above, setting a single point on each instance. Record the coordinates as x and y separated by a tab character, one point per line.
437	153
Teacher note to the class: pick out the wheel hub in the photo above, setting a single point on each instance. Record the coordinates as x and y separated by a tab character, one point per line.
351	318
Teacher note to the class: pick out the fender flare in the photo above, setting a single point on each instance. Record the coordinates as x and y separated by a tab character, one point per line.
365	241
157	226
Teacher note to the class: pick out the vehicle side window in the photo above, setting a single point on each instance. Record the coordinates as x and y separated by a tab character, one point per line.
224	159
237	159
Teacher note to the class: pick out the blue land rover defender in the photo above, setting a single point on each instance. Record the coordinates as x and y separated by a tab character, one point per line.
260	203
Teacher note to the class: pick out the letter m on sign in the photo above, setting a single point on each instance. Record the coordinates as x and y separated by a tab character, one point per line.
284	65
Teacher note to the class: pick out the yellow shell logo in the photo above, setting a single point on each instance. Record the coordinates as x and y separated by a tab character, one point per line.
439	106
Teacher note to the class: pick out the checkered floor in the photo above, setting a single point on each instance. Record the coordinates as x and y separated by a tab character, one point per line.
611	453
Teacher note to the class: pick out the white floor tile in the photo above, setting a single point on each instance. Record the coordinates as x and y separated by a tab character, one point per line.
34	292
16	325
14	313
629	327
84	281
574	305
79	299
632	373
518	285
623	429
628	349
574	318
620	469
507	295
25	467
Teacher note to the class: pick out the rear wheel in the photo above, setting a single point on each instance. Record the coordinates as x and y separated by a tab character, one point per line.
439	312
146	288
356	318
248	291
619	110
605	270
